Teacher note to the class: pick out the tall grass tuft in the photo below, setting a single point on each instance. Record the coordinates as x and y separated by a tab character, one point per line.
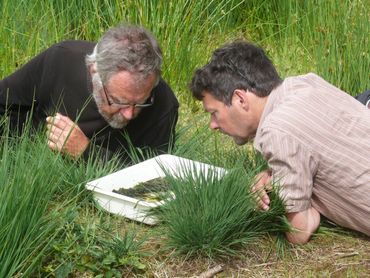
181	27
214	215
327	37
41	193
27	183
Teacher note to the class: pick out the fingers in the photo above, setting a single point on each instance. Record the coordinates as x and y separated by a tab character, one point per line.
56	146
261	187
263	200
57	136
59	121
65	136
264	180
53	132
58	128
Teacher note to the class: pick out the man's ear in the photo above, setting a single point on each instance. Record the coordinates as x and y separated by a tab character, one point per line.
240	98
93	69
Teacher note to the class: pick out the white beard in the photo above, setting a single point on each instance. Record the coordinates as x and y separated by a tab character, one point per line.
114	120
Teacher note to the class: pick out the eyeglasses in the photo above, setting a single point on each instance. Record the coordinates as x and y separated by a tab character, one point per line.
148	102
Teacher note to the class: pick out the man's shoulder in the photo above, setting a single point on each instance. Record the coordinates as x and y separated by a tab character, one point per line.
72	46
164	95
310	83
304	77
68	55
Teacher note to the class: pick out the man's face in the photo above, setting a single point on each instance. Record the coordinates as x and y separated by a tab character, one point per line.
116	100
233	120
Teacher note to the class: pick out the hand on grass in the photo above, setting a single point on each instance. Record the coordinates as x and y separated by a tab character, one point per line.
261	187
65	136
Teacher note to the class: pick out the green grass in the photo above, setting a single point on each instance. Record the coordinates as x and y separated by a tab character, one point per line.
92	248
41	194
25	191
214	214
49	226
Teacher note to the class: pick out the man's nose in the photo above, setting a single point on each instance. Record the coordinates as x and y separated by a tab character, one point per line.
213	125
128	112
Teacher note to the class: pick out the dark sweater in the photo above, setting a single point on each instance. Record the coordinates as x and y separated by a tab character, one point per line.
57	80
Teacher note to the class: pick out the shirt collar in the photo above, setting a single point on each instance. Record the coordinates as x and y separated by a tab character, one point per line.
271	103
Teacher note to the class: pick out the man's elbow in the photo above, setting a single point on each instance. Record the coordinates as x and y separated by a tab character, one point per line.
298	237
304	225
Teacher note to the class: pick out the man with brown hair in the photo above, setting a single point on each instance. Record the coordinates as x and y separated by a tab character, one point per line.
315	137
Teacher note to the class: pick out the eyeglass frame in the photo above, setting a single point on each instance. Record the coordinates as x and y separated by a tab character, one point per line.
127	105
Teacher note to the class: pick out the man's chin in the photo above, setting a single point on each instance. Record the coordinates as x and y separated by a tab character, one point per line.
240	141
116	121
117	125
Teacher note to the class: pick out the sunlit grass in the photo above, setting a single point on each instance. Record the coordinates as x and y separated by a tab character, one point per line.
212	213
28	182
42	193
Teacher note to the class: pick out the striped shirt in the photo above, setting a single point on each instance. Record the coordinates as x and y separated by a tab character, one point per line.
316	140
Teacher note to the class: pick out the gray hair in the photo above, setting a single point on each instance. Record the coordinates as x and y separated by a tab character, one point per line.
127	48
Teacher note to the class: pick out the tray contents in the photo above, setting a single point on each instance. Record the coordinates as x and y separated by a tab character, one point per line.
149	191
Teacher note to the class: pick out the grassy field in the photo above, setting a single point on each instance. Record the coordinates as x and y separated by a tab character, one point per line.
49	225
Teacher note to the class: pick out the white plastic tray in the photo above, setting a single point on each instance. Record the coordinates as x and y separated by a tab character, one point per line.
149	169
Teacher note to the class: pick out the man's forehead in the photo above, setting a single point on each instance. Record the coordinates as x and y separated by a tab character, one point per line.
127	85
206	93
209	101
129	77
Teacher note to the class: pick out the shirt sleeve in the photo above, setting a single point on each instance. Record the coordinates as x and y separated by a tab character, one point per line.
293	167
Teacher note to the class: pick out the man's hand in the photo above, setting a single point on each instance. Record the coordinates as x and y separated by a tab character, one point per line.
261	187
65	136
304	223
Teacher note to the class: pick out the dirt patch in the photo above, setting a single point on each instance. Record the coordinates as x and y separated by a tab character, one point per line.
327	255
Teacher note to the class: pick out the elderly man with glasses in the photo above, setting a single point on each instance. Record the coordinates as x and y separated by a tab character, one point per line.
107	96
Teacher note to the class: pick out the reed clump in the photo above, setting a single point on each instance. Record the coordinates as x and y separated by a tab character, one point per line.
214	214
